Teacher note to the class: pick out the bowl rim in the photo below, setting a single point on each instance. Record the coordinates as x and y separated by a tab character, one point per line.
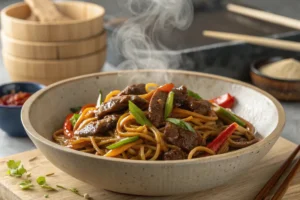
255	65
41	86
220	157
58	24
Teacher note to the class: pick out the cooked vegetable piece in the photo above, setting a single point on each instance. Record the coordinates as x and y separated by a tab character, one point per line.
123	142
118	151
228	116
166	88
138	114
194	95
68	127
181	124
99	100
225	101
169	104
222	137
74	119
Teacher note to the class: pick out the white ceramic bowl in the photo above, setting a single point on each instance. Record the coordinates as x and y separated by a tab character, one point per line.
45	111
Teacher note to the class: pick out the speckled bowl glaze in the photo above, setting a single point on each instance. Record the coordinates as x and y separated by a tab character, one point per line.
45	111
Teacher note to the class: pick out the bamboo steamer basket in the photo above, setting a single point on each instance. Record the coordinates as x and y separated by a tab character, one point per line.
87	22
53	50
50	71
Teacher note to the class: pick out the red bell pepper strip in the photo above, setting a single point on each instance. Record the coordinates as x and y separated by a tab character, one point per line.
166	88
225	101
68	128
222	137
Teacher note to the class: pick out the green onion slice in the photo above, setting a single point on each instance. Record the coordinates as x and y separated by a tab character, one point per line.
99	101
228	116
193	94
169	104
123	142
138	114
74	119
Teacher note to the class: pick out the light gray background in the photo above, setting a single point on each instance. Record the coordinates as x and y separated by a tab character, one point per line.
9	145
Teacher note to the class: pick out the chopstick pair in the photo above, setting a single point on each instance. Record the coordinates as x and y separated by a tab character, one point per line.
266	190
262	41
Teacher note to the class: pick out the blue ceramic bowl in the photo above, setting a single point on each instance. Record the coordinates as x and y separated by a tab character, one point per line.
10	120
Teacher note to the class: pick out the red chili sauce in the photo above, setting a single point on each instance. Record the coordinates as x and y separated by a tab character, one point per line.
14	99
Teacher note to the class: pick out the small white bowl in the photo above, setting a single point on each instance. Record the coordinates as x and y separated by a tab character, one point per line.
45	111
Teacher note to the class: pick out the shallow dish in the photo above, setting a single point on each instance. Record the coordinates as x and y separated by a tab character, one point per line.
151	178
10	116
286	90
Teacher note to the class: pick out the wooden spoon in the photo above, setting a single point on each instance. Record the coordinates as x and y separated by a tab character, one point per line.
45	11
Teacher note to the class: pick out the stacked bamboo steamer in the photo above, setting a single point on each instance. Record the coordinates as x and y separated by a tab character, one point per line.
46	50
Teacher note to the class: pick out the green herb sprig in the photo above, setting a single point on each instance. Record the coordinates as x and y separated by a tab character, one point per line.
26	185
41	180
181	124
15	168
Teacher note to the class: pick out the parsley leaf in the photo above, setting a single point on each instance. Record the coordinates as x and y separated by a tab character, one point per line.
181	124
15	168
41	180
11	164
75	191
26	185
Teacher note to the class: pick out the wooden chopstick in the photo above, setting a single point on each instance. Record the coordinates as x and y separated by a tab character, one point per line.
265	16
284	186
261	41
274	179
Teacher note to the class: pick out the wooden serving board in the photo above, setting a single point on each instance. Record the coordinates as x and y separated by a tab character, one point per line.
243	187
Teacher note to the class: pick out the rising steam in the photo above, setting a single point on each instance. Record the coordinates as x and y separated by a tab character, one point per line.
139	39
